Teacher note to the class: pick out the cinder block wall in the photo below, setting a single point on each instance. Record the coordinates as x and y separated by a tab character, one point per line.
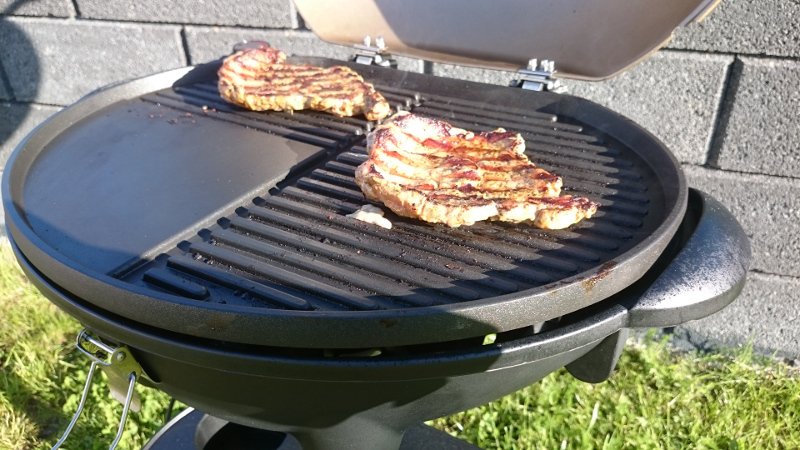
724	96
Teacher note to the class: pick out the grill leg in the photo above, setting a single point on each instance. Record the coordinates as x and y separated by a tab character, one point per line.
369	436
597	365
193	430
354	433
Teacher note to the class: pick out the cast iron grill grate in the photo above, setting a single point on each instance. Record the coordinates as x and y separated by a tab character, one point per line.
293	248
310	127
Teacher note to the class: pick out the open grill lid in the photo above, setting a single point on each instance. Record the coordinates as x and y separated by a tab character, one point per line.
591	40
157	202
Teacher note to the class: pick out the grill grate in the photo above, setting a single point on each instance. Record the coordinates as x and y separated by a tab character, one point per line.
294	249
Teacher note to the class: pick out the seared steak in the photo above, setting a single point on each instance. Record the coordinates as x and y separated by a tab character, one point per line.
259	79
427	169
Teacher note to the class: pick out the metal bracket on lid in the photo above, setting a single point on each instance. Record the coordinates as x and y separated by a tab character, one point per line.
376	55
538	76
122	371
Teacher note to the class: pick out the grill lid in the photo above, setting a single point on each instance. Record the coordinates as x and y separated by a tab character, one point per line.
591	40
156	202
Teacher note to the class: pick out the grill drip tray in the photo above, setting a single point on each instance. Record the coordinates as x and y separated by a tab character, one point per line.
193	430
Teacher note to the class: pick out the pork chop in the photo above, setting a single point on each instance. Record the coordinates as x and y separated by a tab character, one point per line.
260	79
427	169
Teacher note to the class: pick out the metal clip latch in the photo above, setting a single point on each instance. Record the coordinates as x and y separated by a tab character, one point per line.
376	55
122	371
538	76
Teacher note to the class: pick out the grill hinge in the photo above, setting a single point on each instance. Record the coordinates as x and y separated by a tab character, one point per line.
538	76
376	55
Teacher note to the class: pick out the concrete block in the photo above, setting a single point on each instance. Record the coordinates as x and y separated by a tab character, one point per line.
767	207
766	314
764	27
488	76
58	61
39	8
673	95
5	92
206	44
760	120
18	119
2	218
262	13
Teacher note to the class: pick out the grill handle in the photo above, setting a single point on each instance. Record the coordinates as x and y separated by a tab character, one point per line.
702	276
119	367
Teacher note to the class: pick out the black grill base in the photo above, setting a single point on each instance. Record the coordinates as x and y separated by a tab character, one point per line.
194	430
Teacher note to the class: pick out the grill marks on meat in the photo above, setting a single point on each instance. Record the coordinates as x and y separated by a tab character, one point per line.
427	169
259	79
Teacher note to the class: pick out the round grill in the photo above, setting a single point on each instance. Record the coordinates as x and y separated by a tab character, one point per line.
157	202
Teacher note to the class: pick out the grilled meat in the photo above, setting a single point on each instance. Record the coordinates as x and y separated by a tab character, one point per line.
427	169
259	79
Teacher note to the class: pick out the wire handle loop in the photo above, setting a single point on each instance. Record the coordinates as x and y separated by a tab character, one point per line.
106	357
80	407
84	337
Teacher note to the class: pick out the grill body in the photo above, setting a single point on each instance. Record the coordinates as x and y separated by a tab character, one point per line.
367	400
190	215
211	241
346	401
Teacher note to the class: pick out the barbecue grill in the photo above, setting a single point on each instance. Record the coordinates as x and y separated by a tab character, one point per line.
207	250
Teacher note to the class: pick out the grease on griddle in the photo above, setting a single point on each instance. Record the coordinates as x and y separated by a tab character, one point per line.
602	272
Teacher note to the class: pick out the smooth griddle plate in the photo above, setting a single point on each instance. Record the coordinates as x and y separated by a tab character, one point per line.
174	209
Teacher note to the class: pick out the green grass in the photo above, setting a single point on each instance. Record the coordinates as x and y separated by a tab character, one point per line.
41	376
657	399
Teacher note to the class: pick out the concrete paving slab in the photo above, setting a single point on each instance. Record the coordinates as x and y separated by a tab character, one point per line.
2	216
262	13
763	27
501	77
673	95
767	207
5	92
41	8
58	61
760	119
765	315
16	121
207	44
